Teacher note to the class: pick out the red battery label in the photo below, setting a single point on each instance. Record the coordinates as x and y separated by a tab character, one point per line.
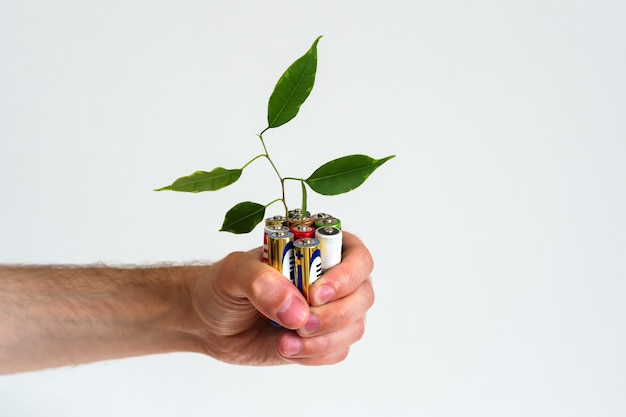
308	264
302	231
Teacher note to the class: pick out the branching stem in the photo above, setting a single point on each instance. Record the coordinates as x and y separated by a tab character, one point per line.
252	160
273	201
282	181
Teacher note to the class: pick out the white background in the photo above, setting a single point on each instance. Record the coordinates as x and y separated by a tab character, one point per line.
499	230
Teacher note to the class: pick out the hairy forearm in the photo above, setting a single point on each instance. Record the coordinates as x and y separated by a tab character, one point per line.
56	316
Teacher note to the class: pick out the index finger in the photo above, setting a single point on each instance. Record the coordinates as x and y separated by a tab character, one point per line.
341	280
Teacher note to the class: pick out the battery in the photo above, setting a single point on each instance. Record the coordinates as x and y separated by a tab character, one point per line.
328	221
307	220
269	229
330	245
308	264
276	221
297	212
319	216
280	253
301	231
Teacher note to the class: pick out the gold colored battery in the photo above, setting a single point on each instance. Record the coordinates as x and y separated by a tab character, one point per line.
267	230
280	253
276	221
308	264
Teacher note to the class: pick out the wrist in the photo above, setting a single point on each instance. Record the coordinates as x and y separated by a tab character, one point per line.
180	325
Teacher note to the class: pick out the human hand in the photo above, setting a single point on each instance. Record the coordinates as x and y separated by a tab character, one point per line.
228	300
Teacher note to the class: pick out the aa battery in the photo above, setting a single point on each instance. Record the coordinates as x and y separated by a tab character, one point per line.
280	253
330	239
328	221
266	231
297	212
276	221
302	231
308	264
319	216
307	220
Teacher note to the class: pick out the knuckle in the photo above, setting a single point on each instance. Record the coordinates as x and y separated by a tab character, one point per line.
258	283
342	316
233	259
342	355
245	278
324	344
229	267
370	295
360	329
369	261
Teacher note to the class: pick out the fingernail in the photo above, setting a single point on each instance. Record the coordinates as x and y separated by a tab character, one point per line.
325	293
291	313
291	346
312	325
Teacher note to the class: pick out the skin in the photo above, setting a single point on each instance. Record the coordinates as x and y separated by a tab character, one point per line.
59	316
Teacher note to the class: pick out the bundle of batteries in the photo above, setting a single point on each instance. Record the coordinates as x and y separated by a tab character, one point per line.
302	246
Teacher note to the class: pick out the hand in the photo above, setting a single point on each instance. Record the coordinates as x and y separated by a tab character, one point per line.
228	300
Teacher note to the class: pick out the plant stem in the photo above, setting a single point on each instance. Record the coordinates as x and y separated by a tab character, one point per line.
302	181
272	202
252	160
282	181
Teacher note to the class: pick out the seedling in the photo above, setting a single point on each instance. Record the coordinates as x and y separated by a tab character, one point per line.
335	177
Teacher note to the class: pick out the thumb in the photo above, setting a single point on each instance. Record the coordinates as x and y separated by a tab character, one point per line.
271	293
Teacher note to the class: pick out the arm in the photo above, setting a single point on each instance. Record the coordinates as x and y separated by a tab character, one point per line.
65	316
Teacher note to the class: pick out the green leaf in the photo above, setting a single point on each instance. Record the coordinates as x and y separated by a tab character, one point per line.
204	181
343	174
243	217
292	88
